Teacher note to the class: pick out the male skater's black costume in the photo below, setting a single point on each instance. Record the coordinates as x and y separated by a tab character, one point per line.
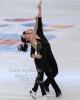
46	64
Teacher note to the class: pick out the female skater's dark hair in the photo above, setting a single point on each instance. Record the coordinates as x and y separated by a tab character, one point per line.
23	47
23	39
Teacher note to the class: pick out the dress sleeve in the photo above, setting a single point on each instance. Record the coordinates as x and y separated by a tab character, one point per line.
40	26
40	30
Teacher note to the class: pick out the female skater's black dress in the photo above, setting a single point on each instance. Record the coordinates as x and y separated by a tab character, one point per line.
41	65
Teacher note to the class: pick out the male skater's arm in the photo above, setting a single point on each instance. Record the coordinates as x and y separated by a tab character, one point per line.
33	55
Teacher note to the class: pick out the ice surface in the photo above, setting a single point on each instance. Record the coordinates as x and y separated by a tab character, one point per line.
17	70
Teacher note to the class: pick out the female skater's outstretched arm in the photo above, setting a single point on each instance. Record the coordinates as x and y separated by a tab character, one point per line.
39	21
38	25
38	29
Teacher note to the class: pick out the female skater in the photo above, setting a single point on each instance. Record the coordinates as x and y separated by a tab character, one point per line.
44	59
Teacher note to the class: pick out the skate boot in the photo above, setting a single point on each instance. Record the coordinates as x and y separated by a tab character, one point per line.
33	94
58	94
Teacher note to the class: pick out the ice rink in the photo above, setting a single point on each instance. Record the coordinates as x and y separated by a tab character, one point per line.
61	22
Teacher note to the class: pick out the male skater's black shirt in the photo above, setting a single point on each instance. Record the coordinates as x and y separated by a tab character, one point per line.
48	59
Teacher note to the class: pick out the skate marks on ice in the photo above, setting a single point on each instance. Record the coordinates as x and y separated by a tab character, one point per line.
48	97
14	96
52	97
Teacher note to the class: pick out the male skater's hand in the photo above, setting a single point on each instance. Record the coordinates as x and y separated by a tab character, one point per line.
38	56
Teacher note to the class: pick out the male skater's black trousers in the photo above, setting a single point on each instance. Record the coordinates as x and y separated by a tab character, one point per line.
52	64
39	81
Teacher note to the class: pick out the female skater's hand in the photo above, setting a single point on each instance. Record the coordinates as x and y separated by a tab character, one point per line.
39	5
